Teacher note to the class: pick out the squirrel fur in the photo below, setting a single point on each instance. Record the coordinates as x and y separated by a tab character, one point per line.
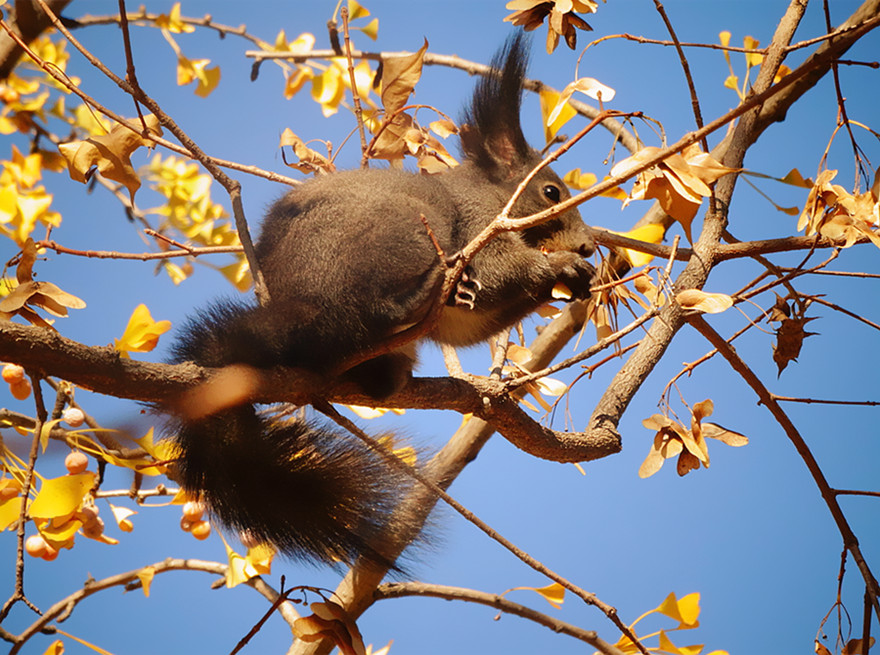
348	263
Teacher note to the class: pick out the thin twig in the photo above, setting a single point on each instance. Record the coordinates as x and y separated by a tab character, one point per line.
769	401
394	460
422	589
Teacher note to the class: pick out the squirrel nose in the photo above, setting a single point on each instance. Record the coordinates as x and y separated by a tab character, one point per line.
586	248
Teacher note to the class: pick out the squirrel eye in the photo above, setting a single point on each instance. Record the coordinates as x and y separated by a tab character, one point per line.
552	193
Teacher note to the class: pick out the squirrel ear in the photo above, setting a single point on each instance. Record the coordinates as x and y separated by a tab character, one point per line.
491	135
497	153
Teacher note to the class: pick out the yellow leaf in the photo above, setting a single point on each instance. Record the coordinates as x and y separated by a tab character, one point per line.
372	412
356	10
552	103
55	648
121	515
296	80
731	82
795	178
752	58
577	180
327	90
61	496
710	303
686	611
371	29
93	647
553	594
589	86
172	21
652	233
145	575
59	532
209	78
142	332
9	511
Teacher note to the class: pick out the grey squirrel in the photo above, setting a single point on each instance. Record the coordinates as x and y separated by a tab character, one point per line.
348	262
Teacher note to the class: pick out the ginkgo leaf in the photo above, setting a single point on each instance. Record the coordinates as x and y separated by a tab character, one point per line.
678	183
146	575
373	412
109	154
172	21
443	128
309	160
651	233
142	332
686	610
710	303
399	77
356	10
371	29
589	86
9	511
553	593
121	515
61	496
795	178
55	648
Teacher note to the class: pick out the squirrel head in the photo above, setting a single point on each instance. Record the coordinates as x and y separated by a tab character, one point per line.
493	144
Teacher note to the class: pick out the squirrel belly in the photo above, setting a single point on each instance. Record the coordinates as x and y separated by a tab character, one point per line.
349	260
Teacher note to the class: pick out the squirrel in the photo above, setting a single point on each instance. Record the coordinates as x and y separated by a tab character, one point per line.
348	263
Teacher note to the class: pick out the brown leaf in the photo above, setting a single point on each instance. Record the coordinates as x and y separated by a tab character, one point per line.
109	154
687	462
789	338
780	310
399	77
310	161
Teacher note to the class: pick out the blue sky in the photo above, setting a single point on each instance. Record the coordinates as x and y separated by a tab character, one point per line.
751	533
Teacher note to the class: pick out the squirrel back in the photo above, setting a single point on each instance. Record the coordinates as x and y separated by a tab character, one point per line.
348	262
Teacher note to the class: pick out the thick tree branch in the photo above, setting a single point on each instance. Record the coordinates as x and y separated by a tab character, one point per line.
731	152
29	22
104	370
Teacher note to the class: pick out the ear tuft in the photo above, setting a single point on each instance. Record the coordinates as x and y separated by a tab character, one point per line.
491	134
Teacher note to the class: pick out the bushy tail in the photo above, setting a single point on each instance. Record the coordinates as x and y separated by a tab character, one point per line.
315	493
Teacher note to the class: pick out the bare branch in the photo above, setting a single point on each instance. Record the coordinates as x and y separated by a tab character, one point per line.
404	589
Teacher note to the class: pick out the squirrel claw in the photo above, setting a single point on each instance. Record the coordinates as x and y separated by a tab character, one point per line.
466	290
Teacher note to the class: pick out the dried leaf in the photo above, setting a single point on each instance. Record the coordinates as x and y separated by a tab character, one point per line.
310	161
109	155
710	303
789	338
724	435
399	77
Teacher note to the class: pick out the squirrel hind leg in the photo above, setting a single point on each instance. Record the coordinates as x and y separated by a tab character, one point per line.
383	375
314	493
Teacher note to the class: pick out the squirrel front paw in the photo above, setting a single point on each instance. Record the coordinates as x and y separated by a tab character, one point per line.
466	289
573	271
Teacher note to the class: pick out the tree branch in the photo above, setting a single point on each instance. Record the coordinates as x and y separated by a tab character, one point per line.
404	589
